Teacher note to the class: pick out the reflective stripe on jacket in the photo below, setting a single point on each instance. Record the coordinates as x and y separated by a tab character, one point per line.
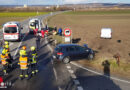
33	57
3	59
23	62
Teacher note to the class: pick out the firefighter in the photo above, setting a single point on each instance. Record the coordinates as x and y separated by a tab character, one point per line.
5	43
33	60
4	61
9	55
23	62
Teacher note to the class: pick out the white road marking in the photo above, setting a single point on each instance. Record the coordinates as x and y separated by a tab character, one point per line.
19	45
68	67
80	88
71	71
73	76
55	73
117	79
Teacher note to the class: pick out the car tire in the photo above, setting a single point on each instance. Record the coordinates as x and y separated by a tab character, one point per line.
66	60
90	56
19	40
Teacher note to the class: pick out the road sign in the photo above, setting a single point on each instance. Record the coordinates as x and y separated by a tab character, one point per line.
67	32
67	39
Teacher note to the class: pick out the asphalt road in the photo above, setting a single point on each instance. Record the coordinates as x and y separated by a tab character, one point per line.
56	75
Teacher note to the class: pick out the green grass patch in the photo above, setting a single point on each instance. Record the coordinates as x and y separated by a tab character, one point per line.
98	12
21	14
17	16
58	39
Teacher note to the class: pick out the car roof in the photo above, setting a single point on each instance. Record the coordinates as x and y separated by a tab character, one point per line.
12	23
32	20
67	45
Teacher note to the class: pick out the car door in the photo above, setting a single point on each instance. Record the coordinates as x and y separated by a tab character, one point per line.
71	52
80	52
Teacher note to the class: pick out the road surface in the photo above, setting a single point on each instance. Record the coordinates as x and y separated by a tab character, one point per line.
56	75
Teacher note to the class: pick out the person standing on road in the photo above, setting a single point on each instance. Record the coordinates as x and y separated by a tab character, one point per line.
10	59
4	61
6	46
5	43
33	60
23	62
38	37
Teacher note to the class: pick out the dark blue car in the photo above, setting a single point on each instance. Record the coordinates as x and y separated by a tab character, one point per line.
68	52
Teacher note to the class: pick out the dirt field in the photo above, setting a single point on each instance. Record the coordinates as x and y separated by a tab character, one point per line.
87	27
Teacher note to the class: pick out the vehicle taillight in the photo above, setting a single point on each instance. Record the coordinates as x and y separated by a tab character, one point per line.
59	53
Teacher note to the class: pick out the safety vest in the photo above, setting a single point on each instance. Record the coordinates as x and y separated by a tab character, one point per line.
23	53
3	59
7	51
34	58
23	62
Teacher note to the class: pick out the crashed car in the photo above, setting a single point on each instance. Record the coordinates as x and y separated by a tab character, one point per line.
68	52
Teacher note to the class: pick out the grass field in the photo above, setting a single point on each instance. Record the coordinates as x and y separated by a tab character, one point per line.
17	16
87	27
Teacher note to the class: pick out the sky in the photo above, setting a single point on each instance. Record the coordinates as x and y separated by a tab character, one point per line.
55	2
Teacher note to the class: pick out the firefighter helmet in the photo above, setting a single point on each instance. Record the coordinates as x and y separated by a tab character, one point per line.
6	42
24	47
32	48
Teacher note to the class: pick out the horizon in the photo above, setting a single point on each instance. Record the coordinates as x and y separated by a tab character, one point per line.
56	4
59	2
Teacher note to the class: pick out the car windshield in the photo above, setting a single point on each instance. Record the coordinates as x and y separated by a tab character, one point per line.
32	24
10	30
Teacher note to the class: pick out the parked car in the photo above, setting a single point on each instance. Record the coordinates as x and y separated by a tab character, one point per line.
68	52
12	31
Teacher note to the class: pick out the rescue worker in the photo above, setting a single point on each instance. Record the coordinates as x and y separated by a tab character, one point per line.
23	62
5	43
38	38
60	31
33	60
8	52
4	61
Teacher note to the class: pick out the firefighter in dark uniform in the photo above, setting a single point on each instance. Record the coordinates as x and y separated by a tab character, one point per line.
33	60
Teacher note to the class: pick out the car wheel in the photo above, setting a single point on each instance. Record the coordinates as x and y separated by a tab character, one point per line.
66	60
90	56
19	39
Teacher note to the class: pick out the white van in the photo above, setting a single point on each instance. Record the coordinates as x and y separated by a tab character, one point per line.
12	31
34	23
106	33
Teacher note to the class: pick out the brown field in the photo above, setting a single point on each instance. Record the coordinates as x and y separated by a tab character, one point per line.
87	27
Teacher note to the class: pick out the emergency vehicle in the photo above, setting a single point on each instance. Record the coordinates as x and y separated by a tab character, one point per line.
34	24
12	31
